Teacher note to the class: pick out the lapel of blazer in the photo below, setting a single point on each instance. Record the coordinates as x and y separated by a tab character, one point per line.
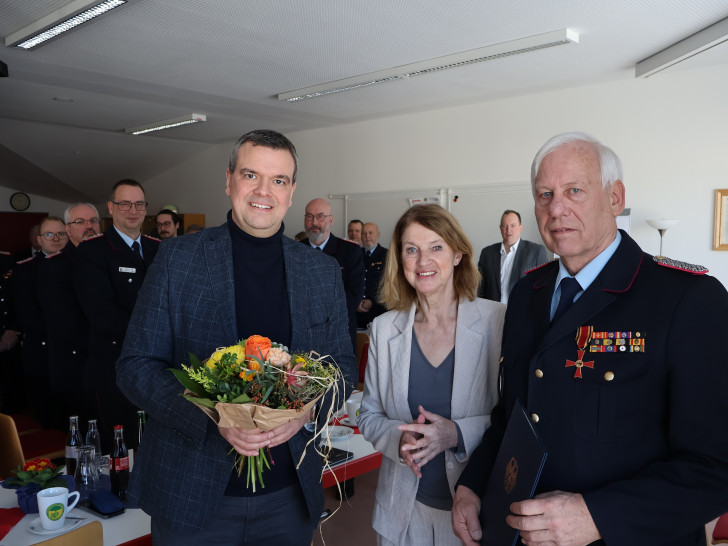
400	351
616	277
468	341
218	251
518	260
332	246
295	285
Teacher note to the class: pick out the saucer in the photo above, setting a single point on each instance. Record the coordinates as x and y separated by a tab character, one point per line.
345	421
36	527
340	433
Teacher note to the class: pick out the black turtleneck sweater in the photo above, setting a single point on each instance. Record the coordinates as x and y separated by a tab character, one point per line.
261	307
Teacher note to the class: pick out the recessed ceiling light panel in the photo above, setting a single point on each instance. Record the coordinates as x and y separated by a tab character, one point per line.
61	20
166	124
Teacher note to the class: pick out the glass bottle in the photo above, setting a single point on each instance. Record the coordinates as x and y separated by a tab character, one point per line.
141	423
119	464
94	438
73	440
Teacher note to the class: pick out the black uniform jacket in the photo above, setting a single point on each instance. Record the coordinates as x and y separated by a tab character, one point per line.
108	277
373	269
30	317
66	324
7	314
350	260
639	428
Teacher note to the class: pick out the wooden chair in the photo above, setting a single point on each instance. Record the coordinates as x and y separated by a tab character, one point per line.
15	450
91	534
11	452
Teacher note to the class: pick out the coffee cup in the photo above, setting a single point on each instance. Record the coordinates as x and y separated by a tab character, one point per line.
353	405
53	506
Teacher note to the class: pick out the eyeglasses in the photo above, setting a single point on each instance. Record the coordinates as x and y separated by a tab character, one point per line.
319	217
83	222
50	235
164	224
126	205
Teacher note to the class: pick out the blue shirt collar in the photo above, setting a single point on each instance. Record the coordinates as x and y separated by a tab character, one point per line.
128	240
587	274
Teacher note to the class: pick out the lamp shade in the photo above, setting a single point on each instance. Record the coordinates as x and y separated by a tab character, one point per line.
662	223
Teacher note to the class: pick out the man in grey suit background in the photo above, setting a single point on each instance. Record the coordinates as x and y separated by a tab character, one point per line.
502	264
209	290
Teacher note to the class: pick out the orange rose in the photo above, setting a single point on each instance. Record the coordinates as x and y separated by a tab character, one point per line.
257	346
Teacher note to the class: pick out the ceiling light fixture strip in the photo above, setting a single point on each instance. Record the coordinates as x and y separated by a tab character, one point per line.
73	22
455	60
161	127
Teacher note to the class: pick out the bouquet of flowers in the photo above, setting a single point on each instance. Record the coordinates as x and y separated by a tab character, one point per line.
257	383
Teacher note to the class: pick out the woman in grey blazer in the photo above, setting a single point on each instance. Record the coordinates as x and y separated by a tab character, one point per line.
431	377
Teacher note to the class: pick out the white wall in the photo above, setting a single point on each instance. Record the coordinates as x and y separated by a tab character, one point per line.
669	131
37	203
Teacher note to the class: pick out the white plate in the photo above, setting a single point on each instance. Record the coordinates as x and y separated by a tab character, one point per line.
345	421
36	527
340	433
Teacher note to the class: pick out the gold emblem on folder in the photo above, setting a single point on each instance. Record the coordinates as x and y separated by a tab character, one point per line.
511	476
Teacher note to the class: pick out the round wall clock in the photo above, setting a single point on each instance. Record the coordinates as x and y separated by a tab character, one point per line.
20	201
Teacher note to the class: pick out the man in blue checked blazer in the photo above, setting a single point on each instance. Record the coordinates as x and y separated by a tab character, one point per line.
209	290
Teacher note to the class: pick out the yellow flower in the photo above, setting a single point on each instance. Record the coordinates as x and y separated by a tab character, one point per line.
237	350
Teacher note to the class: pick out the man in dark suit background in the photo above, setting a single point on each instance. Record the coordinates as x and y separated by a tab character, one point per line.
211	290
12	384
375	255
608	349
317	223
502	264
52	238
110	269
67	338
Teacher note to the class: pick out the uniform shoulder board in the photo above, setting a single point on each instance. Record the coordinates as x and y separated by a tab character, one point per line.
5	252
152	238
680	266
55	254
537	267
349	241
93	237
21	262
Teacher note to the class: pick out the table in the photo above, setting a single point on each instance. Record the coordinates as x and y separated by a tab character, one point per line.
366	458
131	524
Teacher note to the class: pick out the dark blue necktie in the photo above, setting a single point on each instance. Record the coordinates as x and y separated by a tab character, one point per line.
136	249
569	287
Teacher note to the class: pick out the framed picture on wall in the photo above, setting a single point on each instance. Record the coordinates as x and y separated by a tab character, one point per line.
720	237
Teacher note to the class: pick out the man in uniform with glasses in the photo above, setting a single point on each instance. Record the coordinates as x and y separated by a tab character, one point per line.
109	273
318	221
52	238
67	338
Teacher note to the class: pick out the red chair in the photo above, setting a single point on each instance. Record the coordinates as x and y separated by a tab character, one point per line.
15	450
720	532
146	540
25	424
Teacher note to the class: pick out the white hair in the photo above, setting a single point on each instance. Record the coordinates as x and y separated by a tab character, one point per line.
67	212
609	163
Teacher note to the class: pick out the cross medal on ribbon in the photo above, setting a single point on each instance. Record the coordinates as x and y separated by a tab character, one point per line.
583	335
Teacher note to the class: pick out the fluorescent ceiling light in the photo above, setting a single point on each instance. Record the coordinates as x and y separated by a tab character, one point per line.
59	21
455	60
166	124
684	49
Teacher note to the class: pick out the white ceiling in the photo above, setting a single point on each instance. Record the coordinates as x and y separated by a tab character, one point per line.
156	59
